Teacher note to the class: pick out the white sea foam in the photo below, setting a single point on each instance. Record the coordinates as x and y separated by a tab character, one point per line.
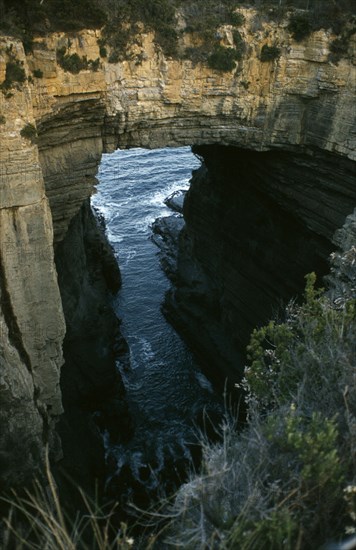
204	382
159	197
129	256
115	238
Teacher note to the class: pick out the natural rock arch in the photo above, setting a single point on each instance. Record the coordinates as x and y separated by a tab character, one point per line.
300	103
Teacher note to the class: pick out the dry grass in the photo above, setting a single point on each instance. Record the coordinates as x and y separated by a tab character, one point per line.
37	520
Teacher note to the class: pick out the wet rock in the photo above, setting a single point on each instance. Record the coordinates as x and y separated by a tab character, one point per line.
166	233
175	201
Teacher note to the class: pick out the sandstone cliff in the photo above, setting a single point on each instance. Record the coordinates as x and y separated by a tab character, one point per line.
301	105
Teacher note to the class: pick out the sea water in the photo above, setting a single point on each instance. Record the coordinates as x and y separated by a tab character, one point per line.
167	391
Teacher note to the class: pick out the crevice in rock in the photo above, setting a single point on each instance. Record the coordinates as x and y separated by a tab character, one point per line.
15	335
92	389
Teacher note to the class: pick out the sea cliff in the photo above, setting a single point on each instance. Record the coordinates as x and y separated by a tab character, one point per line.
288	128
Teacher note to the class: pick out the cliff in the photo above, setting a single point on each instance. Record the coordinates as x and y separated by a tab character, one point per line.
294	115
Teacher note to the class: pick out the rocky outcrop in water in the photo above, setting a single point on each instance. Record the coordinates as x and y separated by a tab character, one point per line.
166	232
292	117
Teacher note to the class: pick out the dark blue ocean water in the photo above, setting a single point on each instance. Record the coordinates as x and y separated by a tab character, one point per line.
166	389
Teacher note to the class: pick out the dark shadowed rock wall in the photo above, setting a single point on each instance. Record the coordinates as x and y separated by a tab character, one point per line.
256	223
92	389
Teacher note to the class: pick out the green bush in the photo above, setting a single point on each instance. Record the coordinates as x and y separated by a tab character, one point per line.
2	119
269	53
15	74
310	347
340	46
33	17
239	44
66	15
300	26
167	38
94	64
223	59
38	73
29	17
237	19
73	63
29	132
238	40
103	51
114	57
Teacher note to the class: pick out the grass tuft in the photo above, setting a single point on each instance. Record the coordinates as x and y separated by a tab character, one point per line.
36	520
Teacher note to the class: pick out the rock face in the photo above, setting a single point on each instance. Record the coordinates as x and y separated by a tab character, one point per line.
90	383
293	117
31	316
256	223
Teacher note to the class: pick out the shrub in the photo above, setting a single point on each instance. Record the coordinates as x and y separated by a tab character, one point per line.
237	19
2	119
15	74
114	57
23	19
66	15
167	38
103	51
339	47
269	53
27	42
29	132
300	26
38	73
239	44
223	59
311	348
277	484
73	63
94	64
238	40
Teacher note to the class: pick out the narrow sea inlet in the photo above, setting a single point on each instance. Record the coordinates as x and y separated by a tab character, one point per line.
167	393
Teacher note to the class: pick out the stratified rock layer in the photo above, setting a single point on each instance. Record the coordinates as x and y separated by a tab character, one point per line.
300	103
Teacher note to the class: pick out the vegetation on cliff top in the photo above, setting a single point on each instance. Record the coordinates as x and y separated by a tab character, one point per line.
121	20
